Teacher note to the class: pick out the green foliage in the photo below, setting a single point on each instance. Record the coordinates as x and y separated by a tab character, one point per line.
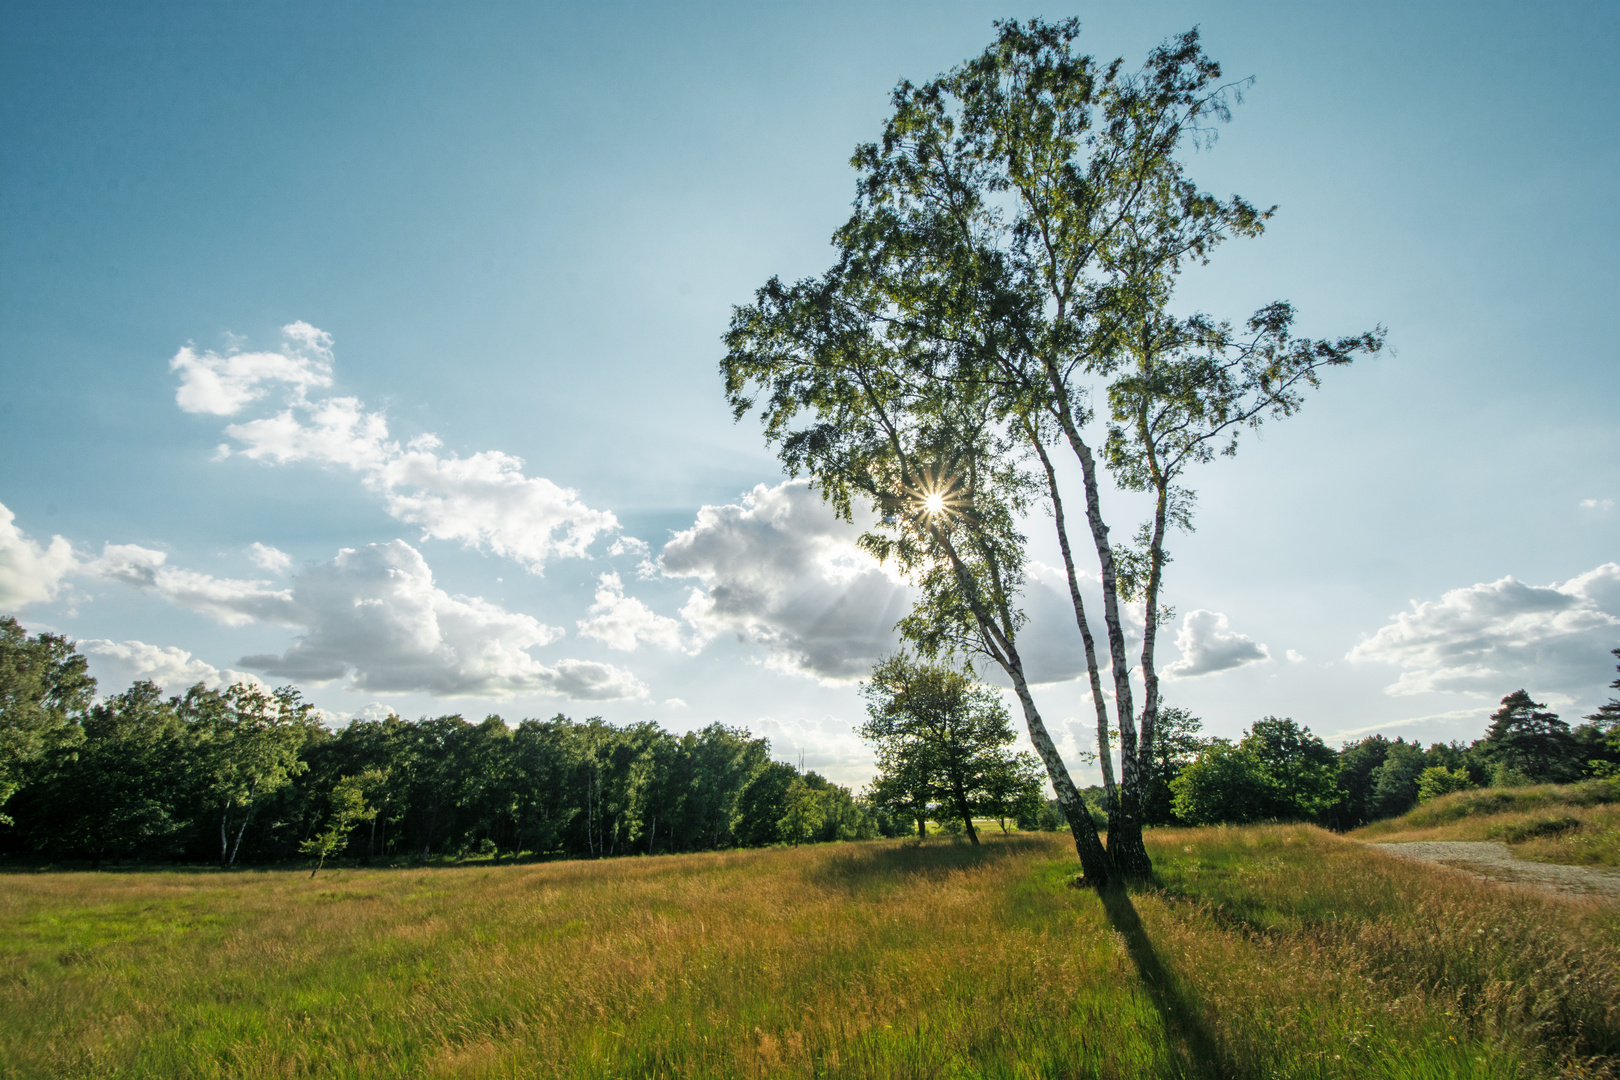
254	777
1437	780
1527	744
1278	771
942	746
802	812
1176	744
1395	781
44	691
349	808
1227	782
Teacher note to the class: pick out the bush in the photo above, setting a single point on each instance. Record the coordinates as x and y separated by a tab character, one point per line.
1439	780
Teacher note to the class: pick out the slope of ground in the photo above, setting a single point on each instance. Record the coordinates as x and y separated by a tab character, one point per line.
1495	861
1572	824
1269	951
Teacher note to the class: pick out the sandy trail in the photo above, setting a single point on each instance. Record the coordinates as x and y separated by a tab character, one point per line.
1495	861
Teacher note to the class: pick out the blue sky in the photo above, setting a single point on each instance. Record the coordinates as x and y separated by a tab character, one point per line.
520	229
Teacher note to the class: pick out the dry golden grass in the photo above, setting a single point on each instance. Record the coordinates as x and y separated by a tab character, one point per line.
1277	951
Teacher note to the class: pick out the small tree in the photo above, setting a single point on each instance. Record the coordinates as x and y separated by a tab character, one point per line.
1225	783
804	812
250	749
1176	745
1014	790
1438	780
941	738
1395	782
1278	770
349	809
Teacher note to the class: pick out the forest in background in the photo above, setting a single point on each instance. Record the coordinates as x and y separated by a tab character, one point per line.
242	775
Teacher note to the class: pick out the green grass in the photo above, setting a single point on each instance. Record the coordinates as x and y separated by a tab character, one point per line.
1573	824
1268	952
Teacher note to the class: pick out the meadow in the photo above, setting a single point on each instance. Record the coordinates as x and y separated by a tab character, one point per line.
1266	951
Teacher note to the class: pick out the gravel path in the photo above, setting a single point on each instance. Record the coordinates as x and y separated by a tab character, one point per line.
1495	860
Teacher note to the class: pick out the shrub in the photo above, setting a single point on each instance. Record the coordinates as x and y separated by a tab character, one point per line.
1439	780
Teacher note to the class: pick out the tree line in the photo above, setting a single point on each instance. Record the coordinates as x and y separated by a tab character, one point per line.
242	774
943	740
1279	770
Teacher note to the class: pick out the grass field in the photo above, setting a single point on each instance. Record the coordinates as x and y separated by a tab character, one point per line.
1275	951
1573	824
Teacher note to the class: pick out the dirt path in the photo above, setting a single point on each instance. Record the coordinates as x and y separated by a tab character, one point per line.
1494	860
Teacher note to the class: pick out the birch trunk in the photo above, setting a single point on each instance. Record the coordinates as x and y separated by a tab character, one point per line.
1124	820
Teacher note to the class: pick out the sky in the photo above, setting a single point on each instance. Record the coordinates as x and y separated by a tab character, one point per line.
374	349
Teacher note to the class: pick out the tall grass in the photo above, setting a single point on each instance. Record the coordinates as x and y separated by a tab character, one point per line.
1263	952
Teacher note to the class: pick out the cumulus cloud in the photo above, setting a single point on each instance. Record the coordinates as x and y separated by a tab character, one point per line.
1489	638
1050	642
222	385
484	500
1597	504
232	601
1208	644
375	617
780	571
623	622
587	680
268	558
119	663
30	573
629	545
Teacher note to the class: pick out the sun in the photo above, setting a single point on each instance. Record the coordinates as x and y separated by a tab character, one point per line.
934	503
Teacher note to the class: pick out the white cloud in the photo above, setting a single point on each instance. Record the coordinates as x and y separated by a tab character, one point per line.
268	558
1208	645
780	571
1295	657
29	573
222	385
116	664
629	545
484	501
232	601
374	617
1597	504
675	703
1494	637
1050	643
623	622
587	680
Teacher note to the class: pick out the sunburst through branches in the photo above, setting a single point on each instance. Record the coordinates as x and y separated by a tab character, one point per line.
938	494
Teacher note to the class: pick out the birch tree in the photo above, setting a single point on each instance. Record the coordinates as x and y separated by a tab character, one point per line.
1016	238
250	750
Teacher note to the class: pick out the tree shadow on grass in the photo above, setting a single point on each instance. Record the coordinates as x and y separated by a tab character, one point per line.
864	866
1200	1055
